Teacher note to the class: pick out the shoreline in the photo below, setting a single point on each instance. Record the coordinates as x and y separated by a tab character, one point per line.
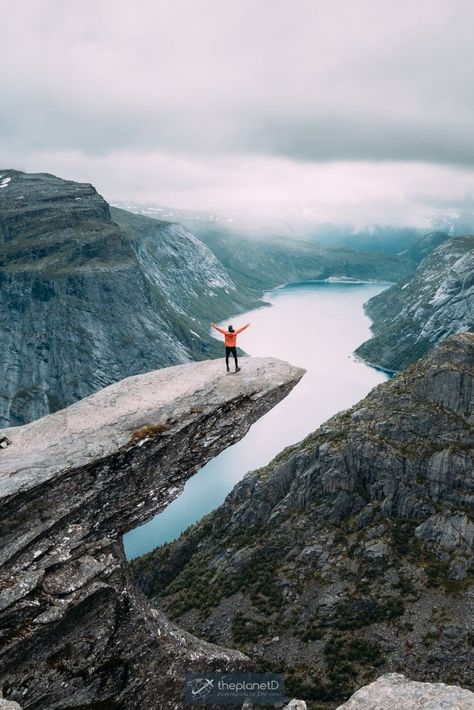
338	280
360	359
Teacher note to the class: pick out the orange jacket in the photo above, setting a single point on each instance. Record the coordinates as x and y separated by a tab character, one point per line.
230	338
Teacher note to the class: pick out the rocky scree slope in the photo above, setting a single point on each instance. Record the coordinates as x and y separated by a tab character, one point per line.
86	301
74	629
413	316
351	553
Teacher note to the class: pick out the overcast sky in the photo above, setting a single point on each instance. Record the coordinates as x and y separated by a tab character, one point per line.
359	109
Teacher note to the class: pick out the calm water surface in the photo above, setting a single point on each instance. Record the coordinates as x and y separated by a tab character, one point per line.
314	325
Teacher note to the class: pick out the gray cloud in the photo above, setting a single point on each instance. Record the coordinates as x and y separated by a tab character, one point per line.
200	83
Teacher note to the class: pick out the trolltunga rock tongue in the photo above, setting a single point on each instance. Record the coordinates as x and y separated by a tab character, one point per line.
75	630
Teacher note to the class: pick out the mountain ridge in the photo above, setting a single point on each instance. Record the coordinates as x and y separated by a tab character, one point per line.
84	302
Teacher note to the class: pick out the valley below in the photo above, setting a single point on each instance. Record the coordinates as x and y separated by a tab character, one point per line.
315	325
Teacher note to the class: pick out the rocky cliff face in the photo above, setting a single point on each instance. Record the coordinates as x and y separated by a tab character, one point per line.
350	554
86	301
75	631
436	301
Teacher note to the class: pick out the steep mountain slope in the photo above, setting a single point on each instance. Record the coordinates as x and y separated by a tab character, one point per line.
85	302
266	263
260	259
413	316
300	223
424	245
351	553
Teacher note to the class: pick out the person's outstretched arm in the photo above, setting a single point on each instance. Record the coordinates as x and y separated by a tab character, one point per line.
216	327
239	330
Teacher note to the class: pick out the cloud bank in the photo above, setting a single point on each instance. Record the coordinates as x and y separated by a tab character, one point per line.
358	109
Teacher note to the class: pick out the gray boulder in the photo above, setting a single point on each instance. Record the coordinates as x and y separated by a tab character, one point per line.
395	692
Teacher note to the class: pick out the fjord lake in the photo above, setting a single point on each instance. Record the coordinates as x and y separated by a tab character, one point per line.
315	325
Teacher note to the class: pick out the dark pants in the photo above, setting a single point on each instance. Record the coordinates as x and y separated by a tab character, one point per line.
231	351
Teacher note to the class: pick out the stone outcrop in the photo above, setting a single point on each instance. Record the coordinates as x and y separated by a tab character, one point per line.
75	630
395	692
351	553
413	316
8	704
86	300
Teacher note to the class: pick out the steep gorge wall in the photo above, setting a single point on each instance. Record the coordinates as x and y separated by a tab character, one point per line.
436	301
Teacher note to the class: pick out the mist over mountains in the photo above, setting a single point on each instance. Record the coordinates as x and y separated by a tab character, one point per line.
306	224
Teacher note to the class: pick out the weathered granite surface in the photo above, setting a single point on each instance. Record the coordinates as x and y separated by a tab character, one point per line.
423	309
8	704
351	553
75	631
395	692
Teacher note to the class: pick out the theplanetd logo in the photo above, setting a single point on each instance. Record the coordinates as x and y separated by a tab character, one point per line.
233	688
200	688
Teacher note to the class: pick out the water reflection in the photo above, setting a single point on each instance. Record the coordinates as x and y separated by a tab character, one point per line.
314	325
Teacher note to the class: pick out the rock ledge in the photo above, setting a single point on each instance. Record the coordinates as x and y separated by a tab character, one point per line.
75	630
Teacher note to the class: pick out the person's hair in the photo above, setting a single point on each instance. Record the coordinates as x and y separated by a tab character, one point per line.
230	328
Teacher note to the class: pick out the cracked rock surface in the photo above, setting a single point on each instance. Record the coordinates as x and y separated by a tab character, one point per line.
75	630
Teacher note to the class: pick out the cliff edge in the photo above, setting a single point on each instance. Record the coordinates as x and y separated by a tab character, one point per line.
75	631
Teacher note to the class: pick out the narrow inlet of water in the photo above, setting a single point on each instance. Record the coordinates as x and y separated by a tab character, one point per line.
315	325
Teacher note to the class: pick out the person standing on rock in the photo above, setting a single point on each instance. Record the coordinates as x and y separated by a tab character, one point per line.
230	337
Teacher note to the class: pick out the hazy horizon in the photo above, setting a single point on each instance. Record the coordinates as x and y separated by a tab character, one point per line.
357	113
